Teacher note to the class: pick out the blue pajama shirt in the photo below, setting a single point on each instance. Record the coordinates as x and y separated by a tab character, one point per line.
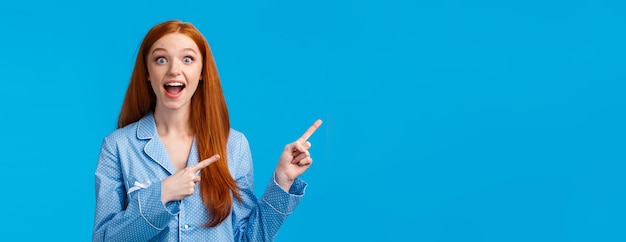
133	162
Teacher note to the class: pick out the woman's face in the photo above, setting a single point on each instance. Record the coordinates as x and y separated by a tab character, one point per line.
174	70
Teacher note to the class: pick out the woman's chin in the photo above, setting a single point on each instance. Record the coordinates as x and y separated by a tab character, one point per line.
175	105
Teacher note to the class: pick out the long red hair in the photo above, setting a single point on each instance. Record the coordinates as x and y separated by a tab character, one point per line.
208	119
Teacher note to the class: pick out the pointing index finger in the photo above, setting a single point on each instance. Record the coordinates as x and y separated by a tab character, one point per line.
310	131
204	163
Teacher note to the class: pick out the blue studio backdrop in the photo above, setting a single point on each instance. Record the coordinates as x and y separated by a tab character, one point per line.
443	120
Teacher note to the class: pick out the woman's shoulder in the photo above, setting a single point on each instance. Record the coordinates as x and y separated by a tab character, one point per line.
235	136
125	133
235	133
143	128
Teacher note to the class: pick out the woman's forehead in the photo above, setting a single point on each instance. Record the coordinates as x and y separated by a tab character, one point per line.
174	42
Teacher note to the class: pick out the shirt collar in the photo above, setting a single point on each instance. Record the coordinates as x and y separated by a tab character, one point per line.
146	127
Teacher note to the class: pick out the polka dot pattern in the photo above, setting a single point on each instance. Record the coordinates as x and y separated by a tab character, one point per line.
134	159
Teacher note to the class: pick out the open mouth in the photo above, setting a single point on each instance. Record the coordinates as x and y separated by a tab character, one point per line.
173	88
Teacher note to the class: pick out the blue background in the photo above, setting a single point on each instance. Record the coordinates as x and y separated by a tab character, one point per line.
443	120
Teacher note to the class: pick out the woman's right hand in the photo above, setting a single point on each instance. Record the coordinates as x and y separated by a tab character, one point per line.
183	183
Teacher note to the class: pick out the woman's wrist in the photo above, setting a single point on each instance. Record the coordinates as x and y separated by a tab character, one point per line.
283	180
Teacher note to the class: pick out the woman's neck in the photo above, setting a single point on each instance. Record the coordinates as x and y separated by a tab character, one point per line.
172	122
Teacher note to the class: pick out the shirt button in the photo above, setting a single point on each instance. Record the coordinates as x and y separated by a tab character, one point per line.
186	226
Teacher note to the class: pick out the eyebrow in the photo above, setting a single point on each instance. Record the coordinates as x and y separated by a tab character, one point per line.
163	49
190	49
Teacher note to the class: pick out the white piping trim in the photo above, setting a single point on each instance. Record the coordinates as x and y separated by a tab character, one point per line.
141	213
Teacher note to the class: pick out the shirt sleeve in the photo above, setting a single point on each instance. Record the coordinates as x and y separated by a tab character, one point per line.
260	220
138	216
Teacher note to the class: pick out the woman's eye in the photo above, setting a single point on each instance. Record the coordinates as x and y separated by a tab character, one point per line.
187	59
161	60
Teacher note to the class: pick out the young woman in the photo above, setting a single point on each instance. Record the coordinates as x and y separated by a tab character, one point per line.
174	170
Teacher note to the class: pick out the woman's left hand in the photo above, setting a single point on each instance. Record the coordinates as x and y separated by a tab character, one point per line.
295	159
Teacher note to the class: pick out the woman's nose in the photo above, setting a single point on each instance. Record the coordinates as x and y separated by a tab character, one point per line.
175	69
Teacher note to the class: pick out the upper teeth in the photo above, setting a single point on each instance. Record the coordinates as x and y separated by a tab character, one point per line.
174	84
